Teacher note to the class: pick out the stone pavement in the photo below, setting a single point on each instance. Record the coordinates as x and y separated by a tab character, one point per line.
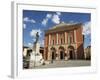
69	63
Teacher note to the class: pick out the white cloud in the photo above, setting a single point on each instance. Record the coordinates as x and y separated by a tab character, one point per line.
33	21
49	16
24	26
34	31
30	44
58	13
87	28
44	22
56	19
26	19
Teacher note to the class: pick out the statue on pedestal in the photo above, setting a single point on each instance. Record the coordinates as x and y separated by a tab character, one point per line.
36	58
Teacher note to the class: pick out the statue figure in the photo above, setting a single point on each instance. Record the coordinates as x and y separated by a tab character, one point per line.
37	38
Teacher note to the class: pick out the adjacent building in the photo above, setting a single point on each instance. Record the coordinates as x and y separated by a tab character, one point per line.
63	42
87	53
27	51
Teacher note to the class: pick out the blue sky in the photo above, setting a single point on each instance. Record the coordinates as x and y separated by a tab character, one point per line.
38	21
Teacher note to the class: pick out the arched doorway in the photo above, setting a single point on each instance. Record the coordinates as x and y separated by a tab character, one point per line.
53	53
61	55
71	52
61	52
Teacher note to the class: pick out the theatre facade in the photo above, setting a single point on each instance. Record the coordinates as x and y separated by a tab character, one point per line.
64	42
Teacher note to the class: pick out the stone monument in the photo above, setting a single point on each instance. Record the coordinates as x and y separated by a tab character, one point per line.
36	58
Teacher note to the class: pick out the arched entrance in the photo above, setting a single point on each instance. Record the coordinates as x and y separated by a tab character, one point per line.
61	55
71	52
62	52
53	53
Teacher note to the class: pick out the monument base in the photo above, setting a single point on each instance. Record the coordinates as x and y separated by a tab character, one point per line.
36	58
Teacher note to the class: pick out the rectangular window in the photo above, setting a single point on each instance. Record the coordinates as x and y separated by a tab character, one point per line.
53	42
61	40
68	38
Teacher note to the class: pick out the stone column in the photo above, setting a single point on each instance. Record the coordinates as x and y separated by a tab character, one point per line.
65	38
66	57
75	38
75	44
49	39
57	38
57	57
75	54
49	54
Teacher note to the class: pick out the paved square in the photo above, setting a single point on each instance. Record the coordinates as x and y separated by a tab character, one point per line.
69	63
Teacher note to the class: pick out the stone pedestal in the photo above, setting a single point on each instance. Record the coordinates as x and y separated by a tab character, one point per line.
37	48
36	58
